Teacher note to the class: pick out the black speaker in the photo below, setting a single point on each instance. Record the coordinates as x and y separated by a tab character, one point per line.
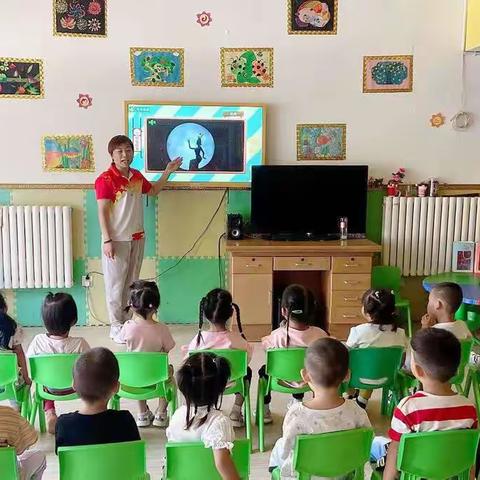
234	226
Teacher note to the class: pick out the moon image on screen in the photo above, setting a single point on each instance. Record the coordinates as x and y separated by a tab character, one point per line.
193	143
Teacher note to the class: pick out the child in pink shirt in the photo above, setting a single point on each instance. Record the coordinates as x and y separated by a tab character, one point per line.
218	307
145	334
297	307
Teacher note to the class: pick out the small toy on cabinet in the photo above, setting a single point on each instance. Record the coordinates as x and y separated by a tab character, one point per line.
394	182
422	189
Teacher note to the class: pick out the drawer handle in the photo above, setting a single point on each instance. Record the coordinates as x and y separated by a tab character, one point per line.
303	264
349	316
255	265
351	265
351	299
351	282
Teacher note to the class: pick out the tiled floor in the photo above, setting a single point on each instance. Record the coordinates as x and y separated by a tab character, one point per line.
155	438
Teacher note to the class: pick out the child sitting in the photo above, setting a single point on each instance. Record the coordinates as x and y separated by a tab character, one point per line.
435	357
381	329
95	379
202	380
16	432
144	334
59	315
218	307
297	308
326	367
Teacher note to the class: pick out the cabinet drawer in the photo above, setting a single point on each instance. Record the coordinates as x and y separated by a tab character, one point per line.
351	264
301	263
340	331
346	298
351	315
350	282
252	265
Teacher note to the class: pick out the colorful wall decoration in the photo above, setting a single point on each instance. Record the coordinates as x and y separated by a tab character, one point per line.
314	17
68	153
388	74
246	67
157	67
80	18
21	78
321	141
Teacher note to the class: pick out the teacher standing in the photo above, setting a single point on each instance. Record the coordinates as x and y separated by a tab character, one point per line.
119	193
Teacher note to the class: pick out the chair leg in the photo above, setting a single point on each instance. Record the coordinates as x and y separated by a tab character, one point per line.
41	418
247	413
259	416
383	407
33	411
409	322
468	382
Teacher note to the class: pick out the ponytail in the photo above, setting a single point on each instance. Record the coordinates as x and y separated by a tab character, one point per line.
295	300
239	323
8	327
201	313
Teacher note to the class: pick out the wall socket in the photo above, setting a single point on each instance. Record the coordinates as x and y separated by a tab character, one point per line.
86	281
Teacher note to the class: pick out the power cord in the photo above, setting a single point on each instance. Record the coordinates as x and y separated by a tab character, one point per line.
221	279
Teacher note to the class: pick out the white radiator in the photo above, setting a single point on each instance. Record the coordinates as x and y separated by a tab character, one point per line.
418	233
36	247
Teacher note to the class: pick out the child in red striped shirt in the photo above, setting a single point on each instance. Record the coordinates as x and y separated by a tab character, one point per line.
435	357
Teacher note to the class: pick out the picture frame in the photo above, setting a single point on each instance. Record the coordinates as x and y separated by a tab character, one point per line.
247	67
157	67
21	78
463	256
68	153
321	141
312	17
80	18
388	73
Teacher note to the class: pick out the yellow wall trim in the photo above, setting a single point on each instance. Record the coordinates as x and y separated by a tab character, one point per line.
472	35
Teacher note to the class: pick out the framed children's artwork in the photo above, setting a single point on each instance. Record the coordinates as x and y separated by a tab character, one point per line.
388	74
80	18
218	143
322	141
68	153
21	78
463	256
313	17
246	67
157	67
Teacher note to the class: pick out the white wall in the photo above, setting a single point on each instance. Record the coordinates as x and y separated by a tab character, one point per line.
317	79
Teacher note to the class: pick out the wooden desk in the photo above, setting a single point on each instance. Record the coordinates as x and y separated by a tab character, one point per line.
337	272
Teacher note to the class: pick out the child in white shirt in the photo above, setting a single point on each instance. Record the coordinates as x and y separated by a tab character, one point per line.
202	380
326	367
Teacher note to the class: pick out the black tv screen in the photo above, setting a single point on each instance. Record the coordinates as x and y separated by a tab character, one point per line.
305	200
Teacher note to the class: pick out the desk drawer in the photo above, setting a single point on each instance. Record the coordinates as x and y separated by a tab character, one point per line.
351	264
301	263
350	315
347	281
252	264
346	298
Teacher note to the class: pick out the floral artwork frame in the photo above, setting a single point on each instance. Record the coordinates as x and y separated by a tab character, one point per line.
312	17
80	18
68	153
388	73
246	67
21	78
143	75
321	141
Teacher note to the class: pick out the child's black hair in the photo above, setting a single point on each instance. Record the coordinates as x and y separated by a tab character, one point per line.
8	326
144	298
59	313
295	299
451	295
380	306
217	307
202	379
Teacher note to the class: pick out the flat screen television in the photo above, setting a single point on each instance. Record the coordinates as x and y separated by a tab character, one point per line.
307	201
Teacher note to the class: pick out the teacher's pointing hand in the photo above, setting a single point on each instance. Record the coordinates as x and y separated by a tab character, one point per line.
174	165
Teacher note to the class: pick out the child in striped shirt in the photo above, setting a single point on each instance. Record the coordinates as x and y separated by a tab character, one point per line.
435	357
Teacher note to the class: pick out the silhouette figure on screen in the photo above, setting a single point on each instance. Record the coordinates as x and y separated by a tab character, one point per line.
199	153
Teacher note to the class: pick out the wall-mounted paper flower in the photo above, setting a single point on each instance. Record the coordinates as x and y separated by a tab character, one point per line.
84	100
204	19
437	120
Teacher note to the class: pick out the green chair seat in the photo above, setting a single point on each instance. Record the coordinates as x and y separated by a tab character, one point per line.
9	390
8	463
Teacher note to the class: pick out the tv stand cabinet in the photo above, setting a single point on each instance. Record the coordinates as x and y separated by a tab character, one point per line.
338	272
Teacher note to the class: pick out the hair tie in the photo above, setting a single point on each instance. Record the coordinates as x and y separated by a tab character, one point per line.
150	305
297	312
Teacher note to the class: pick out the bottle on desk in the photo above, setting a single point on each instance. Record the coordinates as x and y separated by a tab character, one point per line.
343	228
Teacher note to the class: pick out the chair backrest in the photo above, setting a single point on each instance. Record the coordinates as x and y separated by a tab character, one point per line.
389	278
238	360
374	367
285	363
142	369
332	454
185	461
8	375
464	360
455	452
121	461
8	464
54	370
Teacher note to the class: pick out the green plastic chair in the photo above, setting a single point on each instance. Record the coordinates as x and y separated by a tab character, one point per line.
8	388
185	461
282	365
238	360
372	368
390	278
331	454
474	382
8	463
145	376
53	371
119	461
